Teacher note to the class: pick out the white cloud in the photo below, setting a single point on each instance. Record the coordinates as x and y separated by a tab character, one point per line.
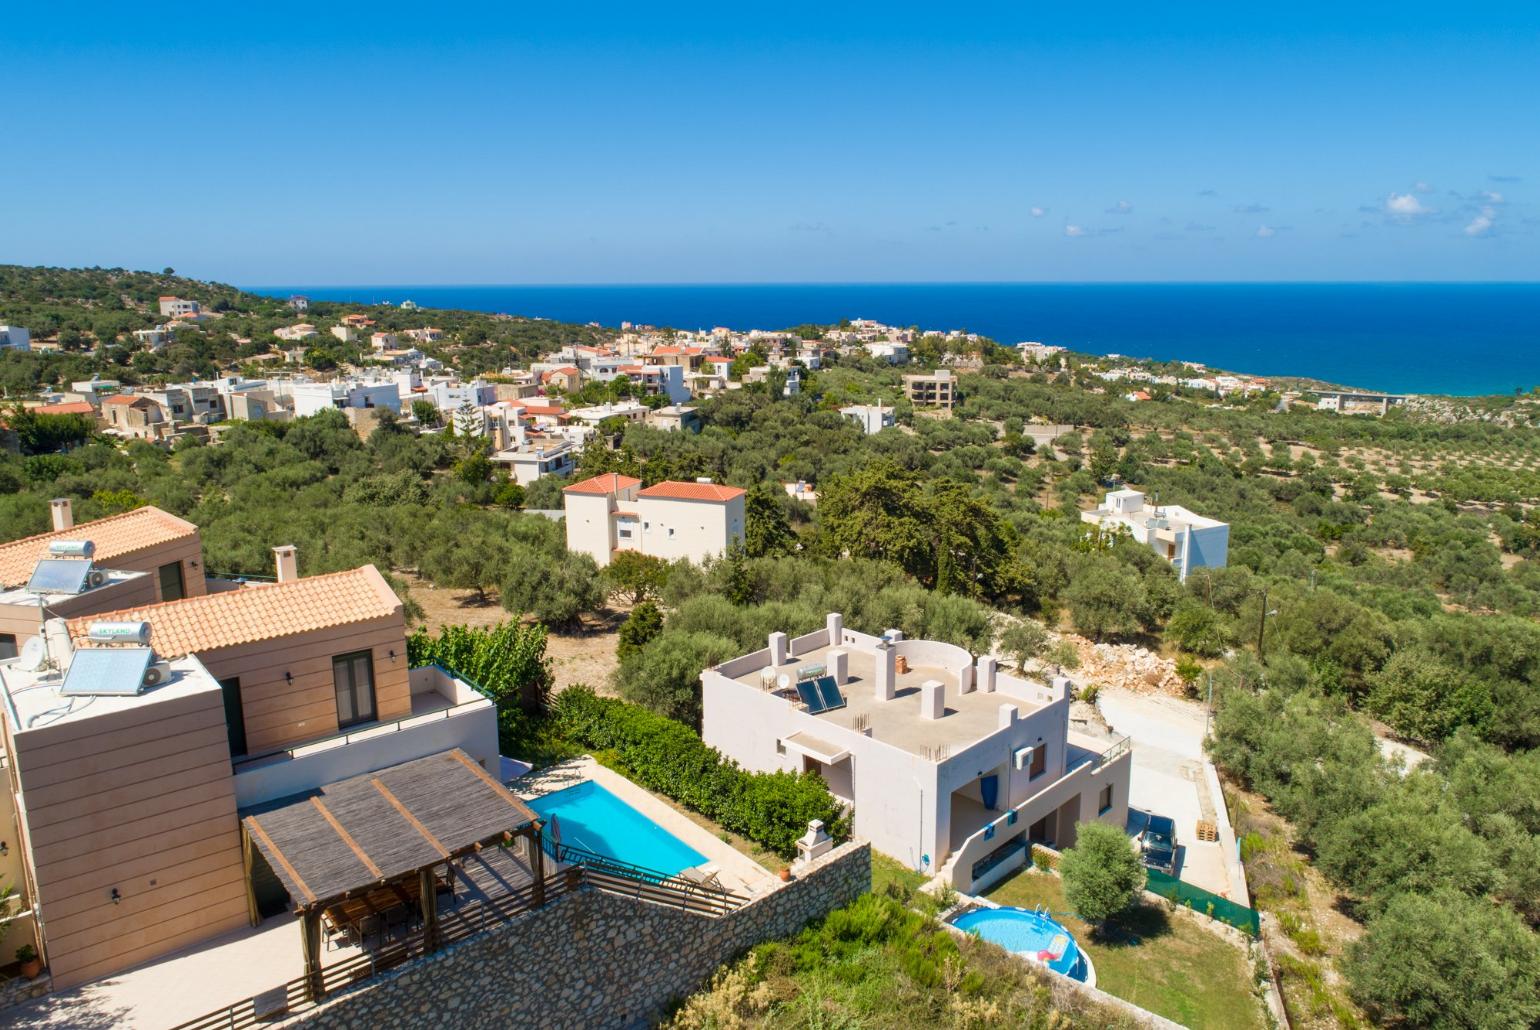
1404	205
1482	223
1266	232
1038	212
1071	229
1122	207
1423	187
1491	196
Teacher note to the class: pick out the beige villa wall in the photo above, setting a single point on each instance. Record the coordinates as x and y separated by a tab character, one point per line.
590	959
188	550
140	800
280	713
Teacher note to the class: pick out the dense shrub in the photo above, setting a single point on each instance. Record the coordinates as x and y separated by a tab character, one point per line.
771	809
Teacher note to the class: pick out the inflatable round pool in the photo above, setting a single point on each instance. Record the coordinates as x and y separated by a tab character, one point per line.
1032	934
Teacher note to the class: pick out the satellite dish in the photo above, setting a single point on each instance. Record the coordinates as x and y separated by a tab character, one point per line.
33	655
783	681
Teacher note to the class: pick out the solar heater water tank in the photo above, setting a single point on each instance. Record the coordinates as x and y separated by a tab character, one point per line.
137	633
71	549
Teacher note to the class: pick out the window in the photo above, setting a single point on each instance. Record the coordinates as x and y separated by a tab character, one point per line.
1039	761
172	586
235	715
1104	800
353	680
8	645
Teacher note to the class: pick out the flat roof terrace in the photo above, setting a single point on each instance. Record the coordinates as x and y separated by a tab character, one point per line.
968	718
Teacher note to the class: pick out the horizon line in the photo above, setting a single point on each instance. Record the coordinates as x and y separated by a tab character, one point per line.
894	282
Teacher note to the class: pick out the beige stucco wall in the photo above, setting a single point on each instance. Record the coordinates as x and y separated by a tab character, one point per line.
695	530
188	550
140	800
590	528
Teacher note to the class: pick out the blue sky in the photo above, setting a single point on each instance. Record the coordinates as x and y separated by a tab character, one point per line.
347	143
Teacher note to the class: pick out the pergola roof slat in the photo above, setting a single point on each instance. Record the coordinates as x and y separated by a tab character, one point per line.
386	825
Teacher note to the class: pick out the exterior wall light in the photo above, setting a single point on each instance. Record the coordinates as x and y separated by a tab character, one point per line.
117	898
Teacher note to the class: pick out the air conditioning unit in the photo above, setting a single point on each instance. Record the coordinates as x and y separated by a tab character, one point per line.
156	674
1024	757
96	577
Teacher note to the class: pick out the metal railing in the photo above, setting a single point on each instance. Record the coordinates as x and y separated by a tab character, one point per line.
469	920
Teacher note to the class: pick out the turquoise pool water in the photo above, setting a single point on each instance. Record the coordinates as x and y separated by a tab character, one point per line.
1031	933
590	817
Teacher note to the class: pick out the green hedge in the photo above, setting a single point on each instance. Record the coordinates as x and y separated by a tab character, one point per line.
771	809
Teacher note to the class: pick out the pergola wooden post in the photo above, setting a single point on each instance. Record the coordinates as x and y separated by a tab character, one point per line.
310	934
536	861
427	885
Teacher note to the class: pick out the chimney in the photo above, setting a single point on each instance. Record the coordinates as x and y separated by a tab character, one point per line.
932	699
836	624
886	676
777	649
63	513
288	563
839	665
986	674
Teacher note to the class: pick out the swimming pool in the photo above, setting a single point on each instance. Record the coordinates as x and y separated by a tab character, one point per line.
1028	933
589	817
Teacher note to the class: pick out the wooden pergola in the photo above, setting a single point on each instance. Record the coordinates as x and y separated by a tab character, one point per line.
375	841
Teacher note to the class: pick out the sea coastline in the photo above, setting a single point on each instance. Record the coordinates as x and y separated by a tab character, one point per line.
1455	339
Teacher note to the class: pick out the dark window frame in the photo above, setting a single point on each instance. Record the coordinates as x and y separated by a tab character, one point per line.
347	665
1039	764
1106	792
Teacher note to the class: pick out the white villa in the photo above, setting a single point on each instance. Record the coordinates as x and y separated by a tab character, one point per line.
1185	539
872	418
953	767
669	520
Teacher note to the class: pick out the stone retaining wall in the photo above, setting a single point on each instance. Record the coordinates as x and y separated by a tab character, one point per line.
591	959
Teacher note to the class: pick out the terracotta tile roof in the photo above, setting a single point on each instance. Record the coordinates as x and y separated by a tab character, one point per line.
67	408
608	483
231	618
113	536
128	399
675	491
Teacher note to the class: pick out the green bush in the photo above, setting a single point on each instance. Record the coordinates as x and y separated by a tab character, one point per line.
771	809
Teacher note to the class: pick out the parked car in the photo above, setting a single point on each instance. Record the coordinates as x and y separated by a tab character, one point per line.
1157	844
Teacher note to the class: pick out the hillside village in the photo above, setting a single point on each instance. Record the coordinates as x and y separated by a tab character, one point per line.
1220	691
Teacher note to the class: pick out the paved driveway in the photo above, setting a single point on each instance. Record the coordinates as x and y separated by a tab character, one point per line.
1168	776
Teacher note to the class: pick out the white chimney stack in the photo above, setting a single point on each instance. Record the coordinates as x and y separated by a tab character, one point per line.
838	664
932	699
886	676
836	624
287	558
777	649
63	513
986	674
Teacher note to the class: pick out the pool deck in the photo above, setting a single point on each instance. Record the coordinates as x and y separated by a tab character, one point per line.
738	871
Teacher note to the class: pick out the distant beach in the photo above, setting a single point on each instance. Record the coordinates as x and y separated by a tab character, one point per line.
1432	338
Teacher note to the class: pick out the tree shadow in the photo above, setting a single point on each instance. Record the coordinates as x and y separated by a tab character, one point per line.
1138	925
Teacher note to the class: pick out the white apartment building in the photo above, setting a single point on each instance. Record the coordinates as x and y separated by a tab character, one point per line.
14	337
311	398
533	460
177	307
892	353
154	339
1184	538
670	520
953	767
872	418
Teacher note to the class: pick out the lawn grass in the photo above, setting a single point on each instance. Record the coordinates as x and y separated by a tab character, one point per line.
1157	961
887	871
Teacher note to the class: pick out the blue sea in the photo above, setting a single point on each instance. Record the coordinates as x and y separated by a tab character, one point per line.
1449	338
